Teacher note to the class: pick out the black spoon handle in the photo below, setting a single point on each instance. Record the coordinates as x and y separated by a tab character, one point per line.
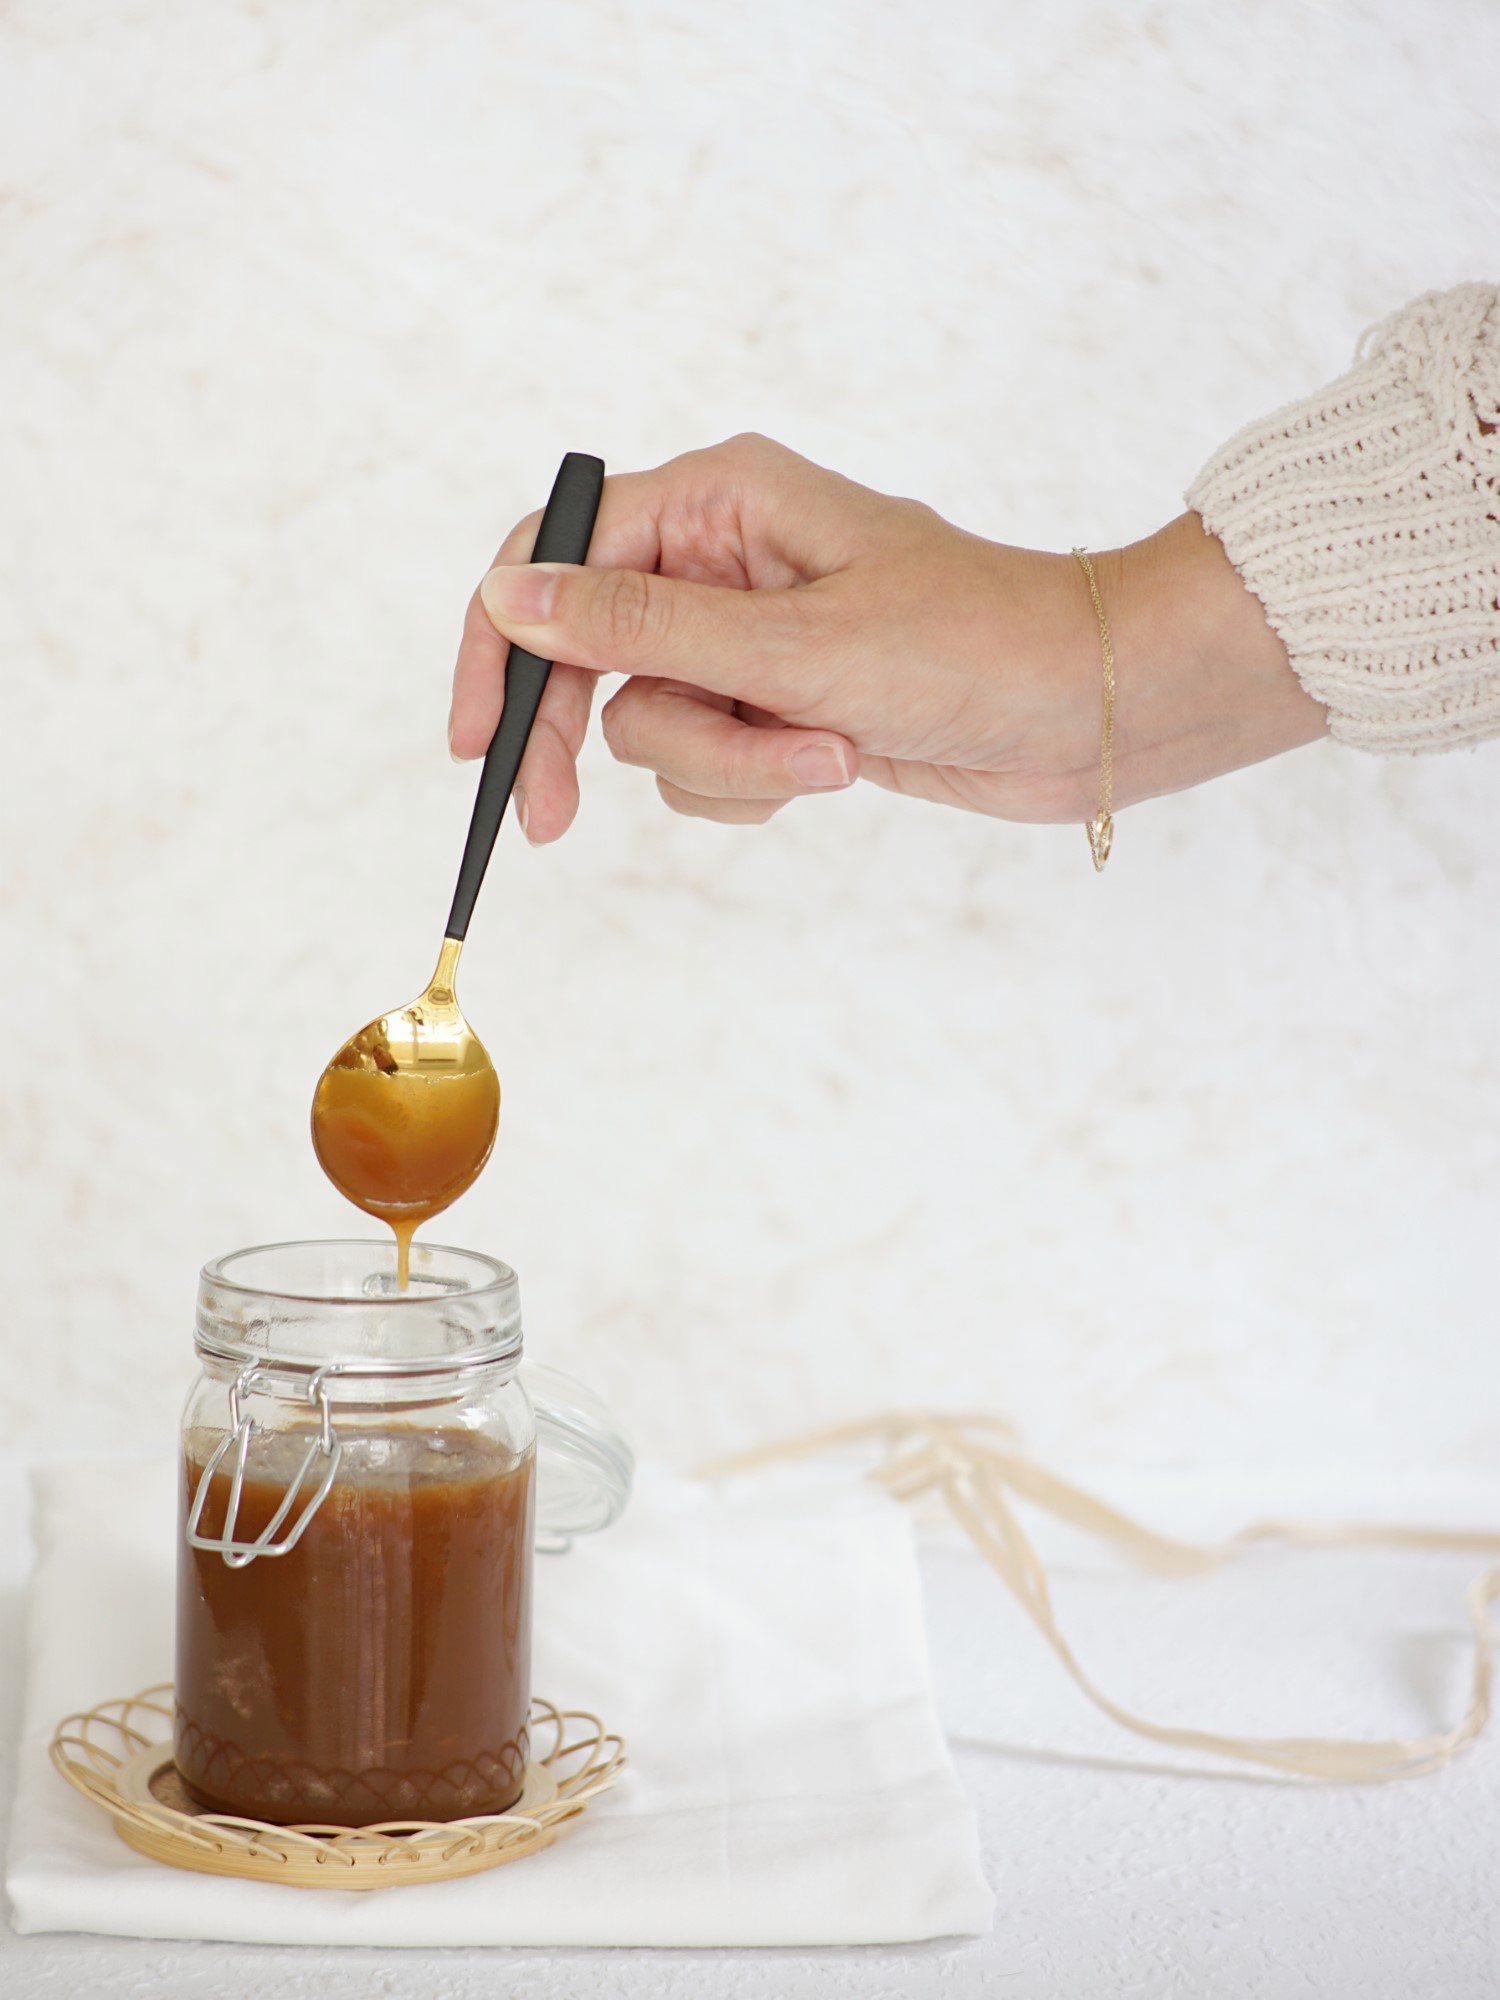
567	526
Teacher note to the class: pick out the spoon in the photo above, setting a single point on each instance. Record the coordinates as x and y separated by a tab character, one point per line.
405	1115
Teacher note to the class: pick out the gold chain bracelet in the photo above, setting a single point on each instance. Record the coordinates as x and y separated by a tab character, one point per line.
1101	828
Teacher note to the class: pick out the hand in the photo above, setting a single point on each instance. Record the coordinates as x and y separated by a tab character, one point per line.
786	631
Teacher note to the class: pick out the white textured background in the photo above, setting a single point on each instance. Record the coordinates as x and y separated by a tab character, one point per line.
1192	1167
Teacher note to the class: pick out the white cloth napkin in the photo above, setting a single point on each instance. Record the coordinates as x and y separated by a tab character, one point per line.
760	1648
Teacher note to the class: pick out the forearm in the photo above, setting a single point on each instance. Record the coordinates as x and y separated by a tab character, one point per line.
1204	686
1339	574
1202	683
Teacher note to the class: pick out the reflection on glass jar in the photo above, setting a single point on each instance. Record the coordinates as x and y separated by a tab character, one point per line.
354	1573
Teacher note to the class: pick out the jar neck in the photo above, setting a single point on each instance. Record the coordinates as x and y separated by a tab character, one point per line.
355	1384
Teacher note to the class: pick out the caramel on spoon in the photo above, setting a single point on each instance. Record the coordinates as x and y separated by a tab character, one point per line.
405	1115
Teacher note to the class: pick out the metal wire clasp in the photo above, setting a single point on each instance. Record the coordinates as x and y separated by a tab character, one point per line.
241	1427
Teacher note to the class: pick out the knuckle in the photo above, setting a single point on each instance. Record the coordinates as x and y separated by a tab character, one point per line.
521	540
723	812
678	801
753	457
795	638
628	615
726	773
920	521
619	724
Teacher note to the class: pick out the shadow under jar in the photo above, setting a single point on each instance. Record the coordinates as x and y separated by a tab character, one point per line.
355	1562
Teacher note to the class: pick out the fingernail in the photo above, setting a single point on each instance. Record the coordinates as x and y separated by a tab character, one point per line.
451	751
821	766
519	798
519	594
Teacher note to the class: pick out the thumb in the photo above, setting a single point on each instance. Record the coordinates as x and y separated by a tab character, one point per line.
748	644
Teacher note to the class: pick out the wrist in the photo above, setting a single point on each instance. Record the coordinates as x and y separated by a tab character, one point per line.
1205	684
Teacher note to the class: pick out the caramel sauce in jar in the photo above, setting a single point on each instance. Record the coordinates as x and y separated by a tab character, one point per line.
379	1669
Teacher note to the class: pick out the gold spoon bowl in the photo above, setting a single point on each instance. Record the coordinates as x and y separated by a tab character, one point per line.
405	1115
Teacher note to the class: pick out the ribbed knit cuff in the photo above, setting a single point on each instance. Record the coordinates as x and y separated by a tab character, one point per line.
1366	519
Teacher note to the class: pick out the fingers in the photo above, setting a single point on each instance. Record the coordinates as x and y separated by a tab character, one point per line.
727	812
737	515
700	746
546	794
545	799
626	532
761	646
478	684
479	675
710	763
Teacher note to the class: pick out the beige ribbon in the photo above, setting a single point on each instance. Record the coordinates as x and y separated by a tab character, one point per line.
972	1462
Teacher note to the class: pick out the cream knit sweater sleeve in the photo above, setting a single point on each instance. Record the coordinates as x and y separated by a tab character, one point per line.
1366	519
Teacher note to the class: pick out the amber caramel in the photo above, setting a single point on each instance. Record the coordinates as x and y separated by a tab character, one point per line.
380	1669
402	1145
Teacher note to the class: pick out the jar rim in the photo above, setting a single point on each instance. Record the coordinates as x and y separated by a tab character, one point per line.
216	1272
461	1313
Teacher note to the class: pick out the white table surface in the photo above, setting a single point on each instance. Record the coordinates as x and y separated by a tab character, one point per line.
1119	1870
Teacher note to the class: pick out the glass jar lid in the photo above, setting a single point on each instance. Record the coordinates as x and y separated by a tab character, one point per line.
585	1468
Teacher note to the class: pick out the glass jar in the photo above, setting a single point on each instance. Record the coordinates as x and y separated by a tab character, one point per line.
359	1502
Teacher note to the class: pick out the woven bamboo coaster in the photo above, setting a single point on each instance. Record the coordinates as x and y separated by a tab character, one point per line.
120	1756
